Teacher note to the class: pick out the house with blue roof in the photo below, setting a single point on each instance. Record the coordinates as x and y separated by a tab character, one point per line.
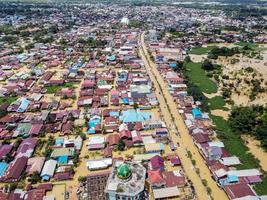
132	116
93	122
24	103
111	58
173	65
3	168
125	101
62	160
122	76
230	179
59	141
197	113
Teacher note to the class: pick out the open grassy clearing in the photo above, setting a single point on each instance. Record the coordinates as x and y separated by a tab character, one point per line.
8	99
201	50
217	102
198	77
251	45
56	88
261	188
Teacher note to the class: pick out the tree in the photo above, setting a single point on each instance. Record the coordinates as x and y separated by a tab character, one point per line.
29	46
187	59
35	178
81	179
135	105
226	93
207	65
47	152
83	136
243	119
121	145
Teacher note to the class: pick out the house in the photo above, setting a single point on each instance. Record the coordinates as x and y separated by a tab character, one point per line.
156	162
155	178
107	152
174	178
161	132
96	183
196	113
152	124
62	154
136	138
36	129
22	129
238	190
24	103
125	134
48	169
35	164
15	169
140	91
96	142
146	157
99	164
26	147
132	116
154	147
113	139
230	161
166	193
62	176
5	150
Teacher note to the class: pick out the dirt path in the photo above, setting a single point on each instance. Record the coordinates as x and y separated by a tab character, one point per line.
173	118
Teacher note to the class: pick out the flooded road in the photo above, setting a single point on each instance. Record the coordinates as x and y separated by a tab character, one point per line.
173	118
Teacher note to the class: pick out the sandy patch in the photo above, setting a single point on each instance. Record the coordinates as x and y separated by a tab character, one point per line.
58	192
220	113
197	58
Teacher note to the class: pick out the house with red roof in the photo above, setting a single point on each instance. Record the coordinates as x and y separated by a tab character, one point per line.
156	162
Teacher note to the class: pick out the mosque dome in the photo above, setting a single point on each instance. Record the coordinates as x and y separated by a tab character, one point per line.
124	171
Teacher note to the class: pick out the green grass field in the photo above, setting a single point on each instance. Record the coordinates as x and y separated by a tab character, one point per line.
201	50
253	46
7	99
261	188
198	76
217	103
56	88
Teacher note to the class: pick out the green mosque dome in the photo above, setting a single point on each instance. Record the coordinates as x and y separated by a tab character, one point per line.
124	171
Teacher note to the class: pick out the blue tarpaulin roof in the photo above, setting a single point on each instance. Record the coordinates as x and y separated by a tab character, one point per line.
92	124
45	178
62	159
173	65
114	114
3	168
196	113
125	100
59	141
111	58
232	179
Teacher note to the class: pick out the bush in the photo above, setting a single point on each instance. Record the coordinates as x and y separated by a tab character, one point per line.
81	179
121	145
226	93
207	65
